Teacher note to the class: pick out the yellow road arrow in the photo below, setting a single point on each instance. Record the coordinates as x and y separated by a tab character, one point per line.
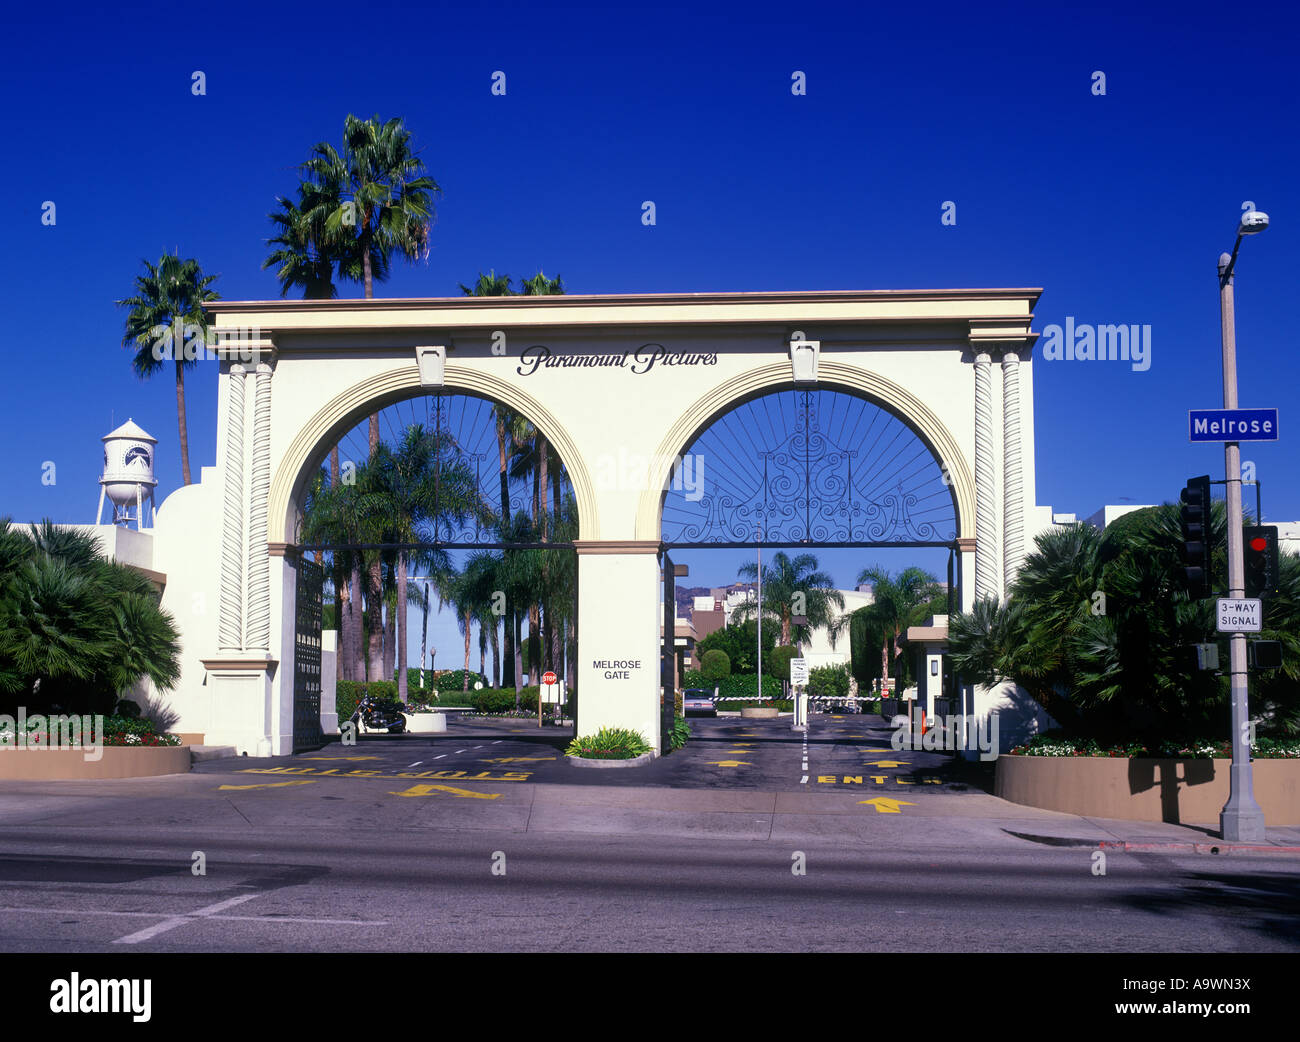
517	759
884	805
729	763
269	785
886	763
428	790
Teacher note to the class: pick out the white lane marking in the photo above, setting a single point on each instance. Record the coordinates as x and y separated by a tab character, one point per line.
416	764
223	918
459	751
498	742
803	780
439	757
174	921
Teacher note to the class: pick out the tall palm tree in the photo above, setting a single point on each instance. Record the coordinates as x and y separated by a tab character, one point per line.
785	579
372	198
169	298
381	192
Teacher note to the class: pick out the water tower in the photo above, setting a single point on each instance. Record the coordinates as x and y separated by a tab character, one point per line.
128	475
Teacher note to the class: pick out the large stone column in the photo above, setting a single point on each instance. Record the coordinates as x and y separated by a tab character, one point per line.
986	532
618	636
1013	511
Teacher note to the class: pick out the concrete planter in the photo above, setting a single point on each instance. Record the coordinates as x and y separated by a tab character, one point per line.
759	713
1173	790
636	761
126	761
426	723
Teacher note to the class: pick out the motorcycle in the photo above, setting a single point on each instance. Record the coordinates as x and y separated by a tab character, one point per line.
379	714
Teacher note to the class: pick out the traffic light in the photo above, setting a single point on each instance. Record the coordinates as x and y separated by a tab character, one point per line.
1264	654
1259	548
1196	548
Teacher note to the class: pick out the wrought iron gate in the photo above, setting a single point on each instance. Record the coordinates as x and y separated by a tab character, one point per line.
306	657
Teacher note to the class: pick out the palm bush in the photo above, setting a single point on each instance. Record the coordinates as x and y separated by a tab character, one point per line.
76	630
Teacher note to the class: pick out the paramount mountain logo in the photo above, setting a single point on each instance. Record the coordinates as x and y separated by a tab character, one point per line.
640	361
1080	342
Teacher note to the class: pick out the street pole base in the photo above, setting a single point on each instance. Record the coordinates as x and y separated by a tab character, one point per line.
1245	825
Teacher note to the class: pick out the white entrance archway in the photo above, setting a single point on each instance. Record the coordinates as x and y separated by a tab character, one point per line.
619	384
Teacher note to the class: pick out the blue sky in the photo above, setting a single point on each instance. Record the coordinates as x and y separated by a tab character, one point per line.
1116	205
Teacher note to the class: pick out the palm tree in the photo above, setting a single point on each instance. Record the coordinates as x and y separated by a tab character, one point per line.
785	580
517	438
380	190
307	254
168	305
372	198
896	605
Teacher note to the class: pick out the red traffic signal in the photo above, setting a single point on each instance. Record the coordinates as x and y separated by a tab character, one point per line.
1261	560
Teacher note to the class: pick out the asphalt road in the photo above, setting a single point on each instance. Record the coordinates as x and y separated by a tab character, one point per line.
434	889
723	846
849	752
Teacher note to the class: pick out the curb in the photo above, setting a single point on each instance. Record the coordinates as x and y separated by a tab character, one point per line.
1119	844
636	761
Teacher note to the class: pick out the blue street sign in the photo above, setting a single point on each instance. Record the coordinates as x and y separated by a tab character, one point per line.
1232	424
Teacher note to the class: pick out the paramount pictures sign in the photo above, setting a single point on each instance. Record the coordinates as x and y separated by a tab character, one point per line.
639	361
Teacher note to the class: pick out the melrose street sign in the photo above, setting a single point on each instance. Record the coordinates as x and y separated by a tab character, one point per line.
1232	424
1240	614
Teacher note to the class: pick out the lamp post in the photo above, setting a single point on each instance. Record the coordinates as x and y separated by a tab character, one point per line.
1241	819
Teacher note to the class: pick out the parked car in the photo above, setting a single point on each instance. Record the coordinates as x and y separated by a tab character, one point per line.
698	700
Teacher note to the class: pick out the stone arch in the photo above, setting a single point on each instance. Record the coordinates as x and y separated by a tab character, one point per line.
830	376
346	409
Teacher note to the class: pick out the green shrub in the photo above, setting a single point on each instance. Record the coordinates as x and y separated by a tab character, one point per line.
746	684
347	693
715	665
609	743
454	680
681	732
829	682
778	661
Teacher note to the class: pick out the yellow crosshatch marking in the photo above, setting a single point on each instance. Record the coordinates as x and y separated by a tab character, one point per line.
334	772
267	785
729	763
887	763
884	805
428	790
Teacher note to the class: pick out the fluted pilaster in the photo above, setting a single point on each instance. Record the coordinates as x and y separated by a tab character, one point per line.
259	585
1012	503
231	613
986	533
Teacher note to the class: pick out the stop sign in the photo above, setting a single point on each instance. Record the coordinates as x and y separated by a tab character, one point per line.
549	678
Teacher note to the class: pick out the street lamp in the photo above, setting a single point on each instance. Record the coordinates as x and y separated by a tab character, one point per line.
1241	819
